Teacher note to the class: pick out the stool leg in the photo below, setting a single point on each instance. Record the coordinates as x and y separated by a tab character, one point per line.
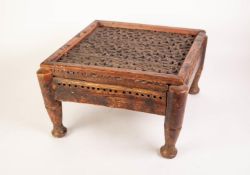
176	101
194	89
54	107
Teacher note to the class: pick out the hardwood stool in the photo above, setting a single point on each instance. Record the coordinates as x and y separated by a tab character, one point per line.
123	65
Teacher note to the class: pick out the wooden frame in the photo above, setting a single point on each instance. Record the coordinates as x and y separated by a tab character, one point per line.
74	82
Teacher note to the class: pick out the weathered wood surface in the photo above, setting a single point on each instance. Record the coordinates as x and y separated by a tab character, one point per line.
176	100
150	27
194	89
157	78
132	49
193	60
121	86
110	95
169	78
53	106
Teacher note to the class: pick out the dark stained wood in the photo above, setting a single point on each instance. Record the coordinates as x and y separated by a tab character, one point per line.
104	77
124	65
193	59
194	89
53	106
110	95
176	100
131	49
116	72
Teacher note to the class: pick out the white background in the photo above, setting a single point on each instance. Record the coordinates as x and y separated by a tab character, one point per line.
216	133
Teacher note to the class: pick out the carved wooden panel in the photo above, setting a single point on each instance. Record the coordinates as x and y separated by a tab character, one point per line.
110	95
144	50
112	80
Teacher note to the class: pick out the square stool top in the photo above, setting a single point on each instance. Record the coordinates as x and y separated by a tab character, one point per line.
147	52
133	49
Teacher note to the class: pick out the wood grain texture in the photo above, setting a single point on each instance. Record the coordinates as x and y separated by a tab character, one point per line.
193	60
110	95
152	88
53	106
115	72
145	75
112	79
176	101
194	89
149	27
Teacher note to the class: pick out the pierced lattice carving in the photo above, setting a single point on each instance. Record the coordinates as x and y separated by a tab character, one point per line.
132	49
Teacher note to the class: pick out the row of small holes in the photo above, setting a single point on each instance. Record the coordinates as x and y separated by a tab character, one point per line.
109	90
70	72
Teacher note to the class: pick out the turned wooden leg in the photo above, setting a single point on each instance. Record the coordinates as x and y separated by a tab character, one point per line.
176	101
54	107
194	89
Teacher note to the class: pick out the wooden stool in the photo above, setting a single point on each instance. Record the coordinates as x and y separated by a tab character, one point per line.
122	65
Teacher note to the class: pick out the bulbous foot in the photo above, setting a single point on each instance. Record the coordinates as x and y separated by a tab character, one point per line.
59	131
194	90
168	152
